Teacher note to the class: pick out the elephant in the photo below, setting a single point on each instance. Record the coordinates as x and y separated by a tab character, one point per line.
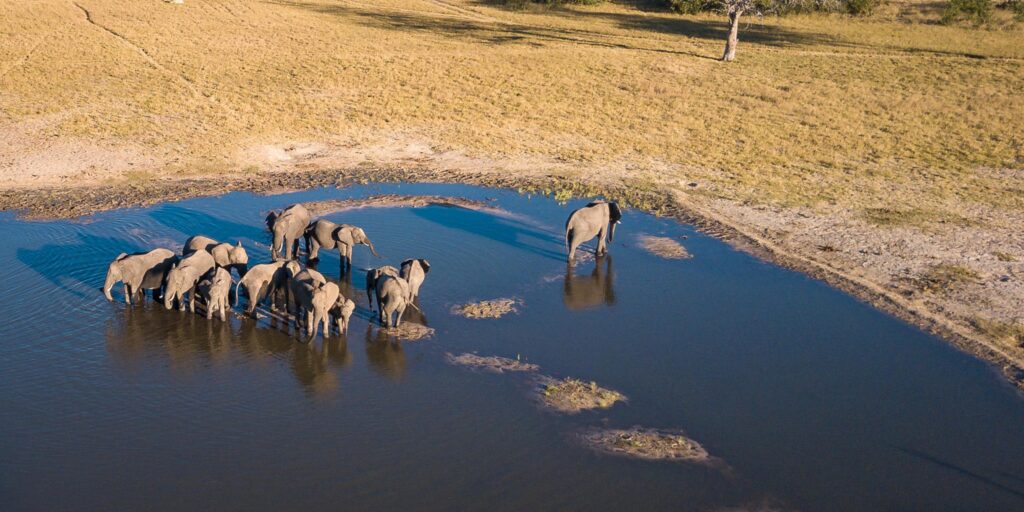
598	218
266	280
373	275
216	291
325	234
287	227
342	312
225	255
393	296
185	276
312	298
415	271
139	271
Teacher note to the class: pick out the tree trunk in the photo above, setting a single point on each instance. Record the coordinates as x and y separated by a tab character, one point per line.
734	36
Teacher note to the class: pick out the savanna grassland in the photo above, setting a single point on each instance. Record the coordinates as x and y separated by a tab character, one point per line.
869	151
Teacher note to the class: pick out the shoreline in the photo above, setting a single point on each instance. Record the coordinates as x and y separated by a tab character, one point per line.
73	201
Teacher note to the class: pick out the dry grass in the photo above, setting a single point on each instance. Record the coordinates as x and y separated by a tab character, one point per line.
818	111
943	277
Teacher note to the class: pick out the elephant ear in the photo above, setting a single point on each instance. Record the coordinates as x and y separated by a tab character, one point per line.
614	213
426	265
121	256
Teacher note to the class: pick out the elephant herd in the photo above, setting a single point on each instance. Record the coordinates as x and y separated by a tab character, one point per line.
203	270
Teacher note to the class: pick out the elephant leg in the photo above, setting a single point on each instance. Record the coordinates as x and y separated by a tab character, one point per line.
601	247
327	325
294	250
127	294
398	317
209	310
313	247
224	311
192	299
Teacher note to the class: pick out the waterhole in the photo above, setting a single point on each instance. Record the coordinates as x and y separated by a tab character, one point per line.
810	399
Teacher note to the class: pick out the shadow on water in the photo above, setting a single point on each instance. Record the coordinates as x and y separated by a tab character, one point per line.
585	292
499	229
199	223
962	471
61	264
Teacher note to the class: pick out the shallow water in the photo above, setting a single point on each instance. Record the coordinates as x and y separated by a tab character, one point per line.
814	400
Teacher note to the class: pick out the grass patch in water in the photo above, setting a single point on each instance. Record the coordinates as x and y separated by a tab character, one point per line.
573	395
645	443
495	308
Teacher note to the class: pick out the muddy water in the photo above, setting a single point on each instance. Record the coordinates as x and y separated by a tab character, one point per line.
813	400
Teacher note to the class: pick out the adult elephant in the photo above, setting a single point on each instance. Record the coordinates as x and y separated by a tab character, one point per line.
265	280
598	218
415	272
287	227
375	274
225	255
324	234
313	298
139	271
393	296
184	277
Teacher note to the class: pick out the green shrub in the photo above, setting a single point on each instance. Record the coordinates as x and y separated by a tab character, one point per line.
861	7
692	6
978	12
1017	6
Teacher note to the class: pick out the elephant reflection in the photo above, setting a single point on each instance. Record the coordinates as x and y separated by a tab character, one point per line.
384	353
137	336
583	292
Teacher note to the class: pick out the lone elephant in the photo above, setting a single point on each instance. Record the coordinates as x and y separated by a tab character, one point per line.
139	271
599	219
288	227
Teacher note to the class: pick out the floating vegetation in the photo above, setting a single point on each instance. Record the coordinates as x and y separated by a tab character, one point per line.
408	331
496	308
664	247
573	395
645	443
493	364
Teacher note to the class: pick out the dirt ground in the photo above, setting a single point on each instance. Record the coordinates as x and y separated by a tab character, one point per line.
907	193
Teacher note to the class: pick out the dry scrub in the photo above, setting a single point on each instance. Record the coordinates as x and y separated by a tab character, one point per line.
492	364
645	443
496	308
571	395
664	247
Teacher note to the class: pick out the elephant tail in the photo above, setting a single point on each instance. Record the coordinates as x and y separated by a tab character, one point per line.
237	286
568	234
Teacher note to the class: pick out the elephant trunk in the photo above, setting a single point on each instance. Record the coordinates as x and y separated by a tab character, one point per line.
372	249
237	285
170	292
318	318
112	277
611	230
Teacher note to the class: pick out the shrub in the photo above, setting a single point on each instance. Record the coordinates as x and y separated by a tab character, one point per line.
978	12
861	7
692	6
1017	6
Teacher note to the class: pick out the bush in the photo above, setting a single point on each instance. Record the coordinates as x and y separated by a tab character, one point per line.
692	6
1017	6
861	7
978	12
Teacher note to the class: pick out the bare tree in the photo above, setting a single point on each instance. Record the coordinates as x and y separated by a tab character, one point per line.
735	9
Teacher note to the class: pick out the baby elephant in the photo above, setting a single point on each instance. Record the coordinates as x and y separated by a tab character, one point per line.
312	298
342	311
139	271
217	294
